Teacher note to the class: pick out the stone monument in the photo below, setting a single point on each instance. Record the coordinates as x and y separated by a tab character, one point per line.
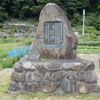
55	36
53	65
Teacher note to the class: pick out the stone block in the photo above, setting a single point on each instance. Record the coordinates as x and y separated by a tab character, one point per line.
27	65
18	67
83	87
88	65
68	85
53	76
16	76
22	86
28	86
36	86
86	76
50	86
75	66
14	86
33	76
53	66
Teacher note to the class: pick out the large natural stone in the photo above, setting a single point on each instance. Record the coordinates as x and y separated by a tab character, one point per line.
36	86
89	66
16	76
94	88
53	66
68	85
28	86
53	13
27	65
86	76
22	87
50	86
76	66
83	87
18	67
53	76
14	86
33	76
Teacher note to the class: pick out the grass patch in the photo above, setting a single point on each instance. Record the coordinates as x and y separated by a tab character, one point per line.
5	80
98	71
88	49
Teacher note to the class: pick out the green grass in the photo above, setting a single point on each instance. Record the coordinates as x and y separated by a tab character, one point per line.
98	71
5	80
4	48
88	49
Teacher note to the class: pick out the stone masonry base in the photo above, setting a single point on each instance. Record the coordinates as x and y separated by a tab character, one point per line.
56	76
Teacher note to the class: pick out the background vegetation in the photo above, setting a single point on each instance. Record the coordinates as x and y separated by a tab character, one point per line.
23	9
30	9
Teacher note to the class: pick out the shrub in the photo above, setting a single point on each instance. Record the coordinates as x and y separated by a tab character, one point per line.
3	16
1	25
97	25
87	37
1	67
8	62
3	54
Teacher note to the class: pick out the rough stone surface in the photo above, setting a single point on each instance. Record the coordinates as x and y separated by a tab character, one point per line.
68	85
87	76
16	76
14	86
52	12
50	86
55	75
18	67
84	87
28	66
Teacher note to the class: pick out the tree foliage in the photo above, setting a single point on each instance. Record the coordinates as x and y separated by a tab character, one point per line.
23	9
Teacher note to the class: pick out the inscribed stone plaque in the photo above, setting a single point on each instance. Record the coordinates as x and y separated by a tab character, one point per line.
53	33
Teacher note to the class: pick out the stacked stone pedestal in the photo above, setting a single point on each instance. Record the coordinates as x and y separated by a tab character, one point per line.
56	76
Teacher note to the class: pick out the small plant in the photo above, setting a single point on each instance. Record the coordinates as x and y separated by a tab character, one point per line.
3	54
1	67
8	62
